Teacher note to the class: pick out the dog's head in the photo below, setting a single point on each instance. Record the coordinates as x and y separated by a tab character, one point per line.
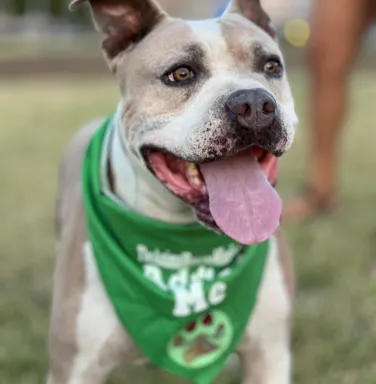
206	107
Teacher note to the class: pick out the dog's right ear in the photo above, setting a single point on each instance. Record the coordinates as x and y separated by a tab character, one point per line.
252	10
122	22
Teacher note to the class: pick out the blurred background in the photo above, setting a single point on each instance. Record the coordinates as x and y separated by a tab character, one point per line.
53	79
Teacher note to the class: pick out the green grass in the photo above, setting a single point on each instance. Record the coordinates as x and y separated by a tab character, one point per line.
335	257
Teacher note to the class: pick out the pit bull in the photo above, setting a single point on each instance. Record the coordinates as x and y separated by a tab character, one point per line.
205	112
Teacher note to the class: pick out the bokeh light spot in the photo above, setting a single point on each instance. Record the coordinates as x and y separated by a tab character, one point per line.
297	32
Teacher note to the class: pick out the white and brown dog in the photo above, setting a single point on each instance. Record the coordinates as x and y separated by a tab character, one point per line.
197	92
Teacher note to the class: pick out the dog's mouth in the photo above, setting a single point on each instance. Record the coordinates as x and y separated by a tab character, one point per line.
234	195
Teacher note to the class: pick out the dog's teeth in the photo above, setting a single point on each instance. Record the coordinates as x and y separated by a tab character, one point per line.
195	180
192	169
193	175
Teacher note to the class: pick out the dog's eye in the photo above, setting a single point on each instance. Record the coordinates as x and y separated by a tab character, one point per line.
273	67
180	74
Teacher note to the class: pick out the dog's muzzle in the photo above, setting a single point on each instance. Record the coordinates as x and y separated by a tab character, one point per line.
256	112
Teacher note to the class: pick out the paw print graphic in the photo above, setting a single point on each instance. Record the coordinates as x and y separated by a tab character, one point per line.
203	341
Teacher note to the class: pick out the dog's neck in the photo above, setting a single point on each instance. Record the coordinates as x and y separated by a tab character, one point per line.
137	188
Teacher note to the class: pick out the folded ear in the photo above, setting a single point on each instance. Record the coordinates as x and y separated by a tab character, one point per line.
252	10
122	22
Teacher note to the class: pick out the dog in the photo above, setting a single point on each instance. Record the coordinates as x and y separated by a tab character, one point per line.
205	112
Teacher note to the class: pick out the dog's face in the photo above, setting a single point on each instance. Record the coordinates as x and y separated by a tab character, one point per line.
206	106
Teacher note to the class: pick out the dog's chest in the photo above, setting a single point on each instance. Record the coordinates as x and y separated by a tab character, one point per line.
105	328
98	322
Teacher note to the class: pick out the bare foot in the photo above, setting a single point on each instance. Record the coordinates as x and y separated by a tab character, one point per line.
309	204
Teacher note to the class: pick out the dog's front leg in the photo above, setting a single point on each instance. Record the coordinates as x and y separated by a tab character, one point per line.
87	369
270	364
265	351
87	344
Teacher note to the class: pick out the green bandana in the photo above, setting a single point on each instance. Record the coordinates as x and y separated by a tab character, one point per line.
183	292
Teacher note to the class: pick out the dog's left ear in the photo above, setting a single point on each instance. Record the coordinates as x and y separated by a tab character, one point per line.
252	10
122	22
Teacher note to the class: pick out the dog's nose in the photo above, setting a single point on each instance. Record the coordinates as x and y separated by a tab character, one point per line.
252	108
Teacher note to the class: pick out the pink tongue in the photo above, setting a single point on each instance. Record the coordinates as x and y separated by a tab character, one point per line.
242	202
